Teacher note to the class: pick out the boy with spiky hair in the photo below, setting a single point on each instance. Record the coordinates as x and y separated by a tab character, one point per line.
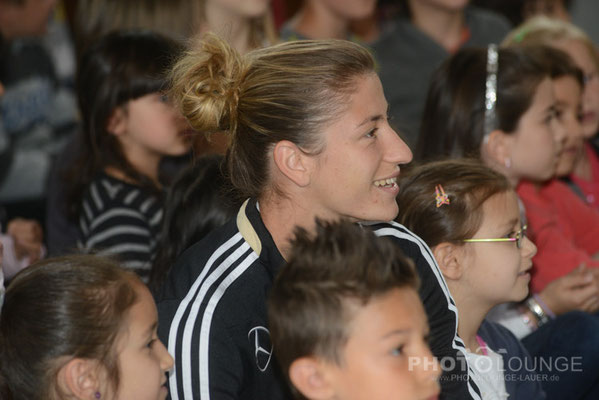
346	321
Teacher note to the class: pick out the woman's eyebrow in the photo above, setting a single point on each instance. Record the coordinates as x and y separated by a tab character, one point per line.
373	118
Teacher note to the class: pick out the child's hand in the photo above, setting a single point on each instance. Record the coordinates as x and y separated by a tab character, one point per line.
27	235
579	290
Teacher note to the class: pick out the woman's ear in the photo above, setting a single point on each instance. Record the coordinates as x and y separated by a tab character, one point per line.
117	122
450	260
79	378
292	162
310	377
497	149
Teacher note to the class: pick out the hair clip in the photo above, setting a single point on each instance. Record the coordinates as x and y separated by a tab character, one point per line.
441	196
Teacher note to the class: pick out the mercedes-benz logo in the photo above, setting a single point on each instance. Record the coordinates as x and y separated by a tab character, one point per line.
260	336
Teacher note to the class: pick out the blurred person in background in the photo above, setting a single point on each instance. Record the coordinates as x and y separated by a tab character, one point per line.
38	109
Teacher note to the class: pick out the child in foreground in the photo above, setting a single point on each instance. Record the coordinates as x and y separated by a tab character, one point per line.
80	327
469	216
346	321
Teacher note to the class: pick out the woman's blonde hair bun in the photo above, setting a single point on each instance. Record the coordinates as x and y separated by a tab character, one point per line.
206	85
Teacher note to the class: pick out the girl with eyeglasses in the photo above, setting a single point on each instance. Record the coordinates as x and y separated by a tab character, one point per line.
469	216
499	106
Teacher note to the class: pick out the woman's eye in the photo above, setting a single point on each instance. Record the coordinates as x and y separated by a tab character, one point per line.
372	133
151	343
164	98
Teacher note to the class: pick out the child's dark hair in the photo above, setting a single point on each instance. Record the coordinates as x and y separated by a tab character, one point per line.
197	203
119	67
467	183
308	306
558	62
57	310
454	112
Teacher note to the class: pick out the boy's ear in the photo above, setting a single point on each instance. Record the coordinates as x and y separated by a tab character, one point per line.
292	162
449	258
310	377
497	148
117	122
79	378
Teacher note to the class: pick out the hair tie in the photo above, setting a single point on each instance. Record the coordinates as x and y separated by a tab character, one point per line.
234	92
491	89
233	99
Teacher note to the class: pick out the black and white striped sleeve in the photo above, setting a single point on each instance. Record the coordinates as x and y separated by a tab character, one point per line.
112	227
442	313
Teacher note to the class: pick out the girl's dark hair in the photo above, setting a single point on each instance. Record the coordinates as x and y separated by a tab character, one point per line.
467	183
453	118
57	310
198	201
119	67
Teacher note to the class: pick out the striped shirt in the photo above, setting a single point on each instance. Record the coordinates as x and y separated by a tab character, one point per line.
121	219
213	316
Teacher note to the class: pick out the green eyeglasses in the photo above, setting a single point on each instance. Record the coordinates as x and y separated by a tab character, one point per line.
518	239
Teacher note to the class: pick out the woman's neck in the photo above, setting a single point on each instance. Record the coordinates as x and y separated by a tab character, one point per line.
444	26
281	215
316	21
235	28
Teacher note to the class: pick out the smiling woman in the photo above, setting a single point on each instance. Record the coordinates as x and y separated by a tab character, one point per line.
354	174
310	139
